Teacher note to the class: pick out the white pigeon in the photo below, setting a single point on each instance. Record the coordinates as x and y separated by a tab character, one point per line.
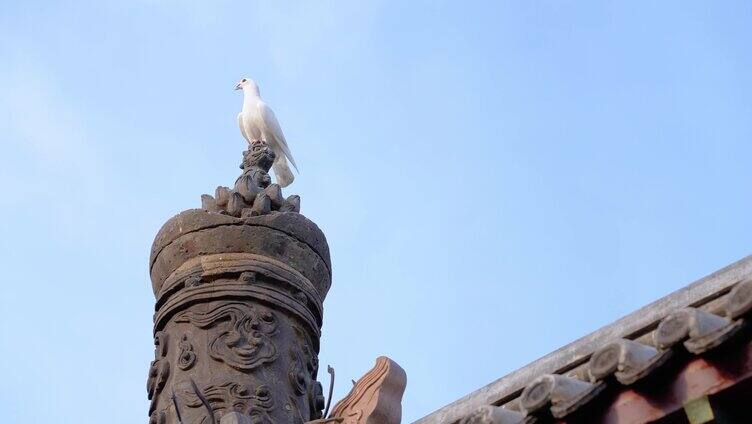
257	122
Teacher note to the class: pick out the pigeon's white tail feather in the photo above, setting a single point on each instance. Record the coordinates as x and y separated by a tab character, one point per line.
279	140
282	172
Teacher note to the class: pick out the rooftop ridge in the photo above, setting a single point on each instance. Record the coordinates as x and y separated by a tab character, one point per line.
577	352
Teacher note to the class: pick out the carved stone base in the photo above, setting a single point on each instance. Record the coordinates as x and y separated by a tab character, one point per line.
235	356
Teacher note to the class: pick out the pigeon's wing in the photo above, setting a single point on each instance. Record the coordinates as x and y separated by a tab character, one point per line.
273	129
241	124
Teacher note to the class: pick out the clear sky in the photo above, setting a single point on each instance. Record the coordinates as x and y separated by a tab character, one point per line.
495	179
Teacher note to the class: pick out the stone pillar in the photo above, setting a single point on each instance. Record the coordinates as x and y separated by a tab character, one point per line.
239	288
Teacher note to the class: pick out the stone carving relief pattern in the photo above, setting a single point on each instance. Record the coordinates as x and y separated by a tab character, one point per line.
240	333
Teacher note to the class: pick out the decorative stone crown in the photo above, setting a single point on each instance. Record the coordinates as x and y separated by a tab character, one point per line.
254	194
248	242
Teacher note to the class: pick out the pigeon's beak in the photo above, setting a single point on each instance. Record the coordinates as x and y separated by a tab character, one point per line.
238	87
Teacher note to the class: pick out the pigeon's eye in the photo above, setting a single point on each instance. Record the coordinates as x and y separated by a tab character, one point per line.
244	80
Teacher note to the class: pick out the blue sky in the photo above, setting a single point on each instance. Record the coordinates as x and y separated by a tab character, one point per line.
495	179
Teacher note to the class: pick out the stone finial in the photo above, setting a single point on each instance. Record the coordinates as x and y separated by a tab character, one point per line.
253	194
376	398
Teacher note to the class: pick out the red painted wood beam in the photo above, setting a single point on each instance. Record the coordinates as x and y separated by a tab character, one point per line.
670	391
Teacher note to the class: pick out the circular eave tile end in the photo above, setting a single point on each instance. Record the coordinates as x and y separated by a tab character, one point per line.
739	300
673	329
537	394
605	361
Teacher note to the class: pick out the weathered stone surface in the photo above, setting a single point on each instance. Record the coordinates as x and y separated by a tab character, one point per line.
301	229
209	203
183	223
274	191
261	206
295	225
292	204
286	236
235	418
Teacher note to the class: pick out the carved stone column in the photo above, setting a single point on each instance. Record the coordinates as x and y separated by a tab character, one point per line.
239	288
